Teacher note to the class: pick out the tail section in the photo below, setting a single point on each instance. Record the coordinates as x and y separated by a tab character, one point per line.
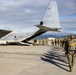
50	20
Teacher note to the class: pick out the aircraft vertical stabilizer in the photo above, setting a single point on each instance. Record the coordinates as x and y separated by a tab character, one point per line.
51	16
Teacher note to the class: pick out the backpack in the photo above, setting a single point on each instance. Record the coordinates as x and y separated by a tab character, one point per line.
75	43
71	45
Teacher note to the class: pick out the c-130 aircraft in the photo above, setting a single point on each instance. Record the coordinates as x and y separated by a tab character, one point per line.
50	22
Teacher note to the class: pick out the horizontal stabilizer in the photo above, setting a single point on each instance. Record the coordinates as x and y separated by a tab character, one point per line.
47	28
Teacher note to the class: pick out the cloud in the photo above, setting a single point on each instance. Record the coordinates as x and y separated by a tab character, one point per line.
68	24
16	14
67	7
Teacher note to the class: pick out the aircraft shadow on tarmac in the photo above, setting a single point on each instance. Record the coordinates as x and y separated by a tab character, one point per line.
56	58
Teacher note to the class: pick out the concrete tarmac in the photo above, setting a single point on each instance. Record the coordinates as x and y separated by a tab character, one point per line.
33	60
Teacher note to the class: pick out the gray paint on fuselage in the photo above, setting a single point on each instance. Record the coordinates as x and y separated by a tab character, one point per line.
20	35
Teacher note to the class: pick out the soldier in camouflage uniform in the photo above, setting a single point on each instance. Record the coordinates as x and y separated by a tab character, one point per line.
70	51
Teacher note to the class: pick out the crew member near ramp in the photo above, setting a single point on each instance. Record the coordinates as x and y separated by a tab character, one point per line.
70	44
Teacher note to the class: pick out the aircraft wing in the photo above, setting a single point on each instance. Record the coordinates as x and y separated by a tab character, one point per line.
4	32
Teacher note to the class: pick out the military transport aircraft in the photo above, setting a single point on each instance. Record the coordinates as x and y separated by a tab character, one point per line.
50	22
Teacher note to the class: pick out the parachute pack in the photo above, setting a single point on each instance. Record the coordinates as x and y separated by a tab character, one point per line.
71	45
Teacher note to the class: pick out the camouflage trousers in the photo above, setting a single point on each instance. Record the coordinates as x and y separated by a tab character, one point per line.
71	57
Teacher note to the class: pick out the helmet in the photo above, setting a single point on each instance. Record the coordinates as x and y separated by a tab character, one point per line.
72	36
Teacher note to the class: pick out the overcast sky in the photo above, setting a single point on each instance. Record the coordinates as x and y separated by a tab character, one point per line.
20	14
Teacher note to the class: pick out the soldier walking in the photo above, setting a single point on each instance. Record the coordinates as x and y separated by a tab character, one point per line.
70	52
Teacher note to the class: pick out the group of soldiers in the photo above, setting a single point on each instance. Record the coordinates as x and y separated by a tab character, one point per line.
68	45
41	42
51	42
58	42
